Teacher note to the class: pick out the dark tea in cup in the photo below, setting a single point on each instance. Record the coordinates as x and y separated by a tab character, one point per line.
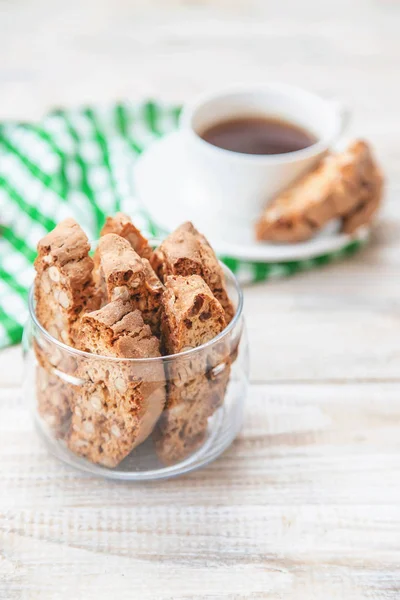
258	135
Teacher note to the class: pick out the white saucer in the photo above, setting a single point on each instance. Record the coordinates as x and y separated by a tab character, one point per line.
170	197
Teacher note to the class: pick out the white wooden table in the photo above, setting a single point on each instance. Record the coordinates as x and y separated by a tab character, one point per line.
306	504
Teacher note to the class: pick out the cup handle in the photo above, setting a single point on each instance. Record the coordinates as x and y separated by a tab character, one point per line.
344	114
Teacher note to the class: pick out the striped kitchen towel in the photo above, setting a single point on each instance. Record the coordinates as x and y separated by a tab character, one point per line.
79	163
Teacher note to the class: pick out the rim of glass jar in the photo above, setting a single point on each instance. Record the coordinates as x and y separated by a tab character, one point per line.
168	357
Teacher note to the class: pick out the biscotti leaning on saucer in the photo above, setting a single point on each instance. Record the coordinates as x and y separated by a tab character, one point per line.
346	185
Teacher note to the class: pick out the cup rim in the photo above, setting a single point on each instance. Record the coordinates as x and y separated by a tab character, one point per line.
152	359
189	110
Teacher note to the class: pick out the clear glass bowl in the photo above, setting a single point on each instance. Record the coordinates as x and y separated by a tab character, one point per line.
66	390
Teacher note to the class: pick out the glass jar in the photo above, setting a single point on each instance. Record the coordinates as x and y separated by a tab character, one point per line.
107	415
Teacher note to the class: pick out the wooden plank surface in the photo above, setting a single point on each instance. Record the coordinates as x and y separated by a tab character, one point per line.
306	503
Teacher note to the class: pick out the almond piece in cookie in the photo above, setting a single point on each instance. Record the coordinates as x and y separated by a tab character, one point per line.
128	276
196	383
187	252
120	403
341	186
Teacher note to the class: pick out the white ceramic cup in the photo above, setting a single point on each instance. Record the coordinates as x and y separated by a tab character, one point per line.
237	186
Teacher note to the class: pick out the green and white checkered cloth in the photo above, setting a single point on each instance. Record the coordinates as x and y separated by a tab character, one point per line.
79	163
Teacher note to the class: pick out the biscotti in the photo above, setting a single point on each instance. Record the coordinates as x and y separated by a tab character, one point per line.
119	404
187	252
64	289
122	225
191	316
64	286
121	268
124	274
347	185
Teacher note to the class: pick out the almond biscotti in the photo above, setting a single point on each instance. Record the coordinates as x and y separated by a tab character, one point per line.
119	404
64	289
121	268
124	274
347	185
187	252
122	225
191	316
64	285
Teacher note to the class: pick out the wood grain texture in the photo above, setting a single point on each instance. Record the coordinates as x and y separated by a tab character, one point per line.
306	503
